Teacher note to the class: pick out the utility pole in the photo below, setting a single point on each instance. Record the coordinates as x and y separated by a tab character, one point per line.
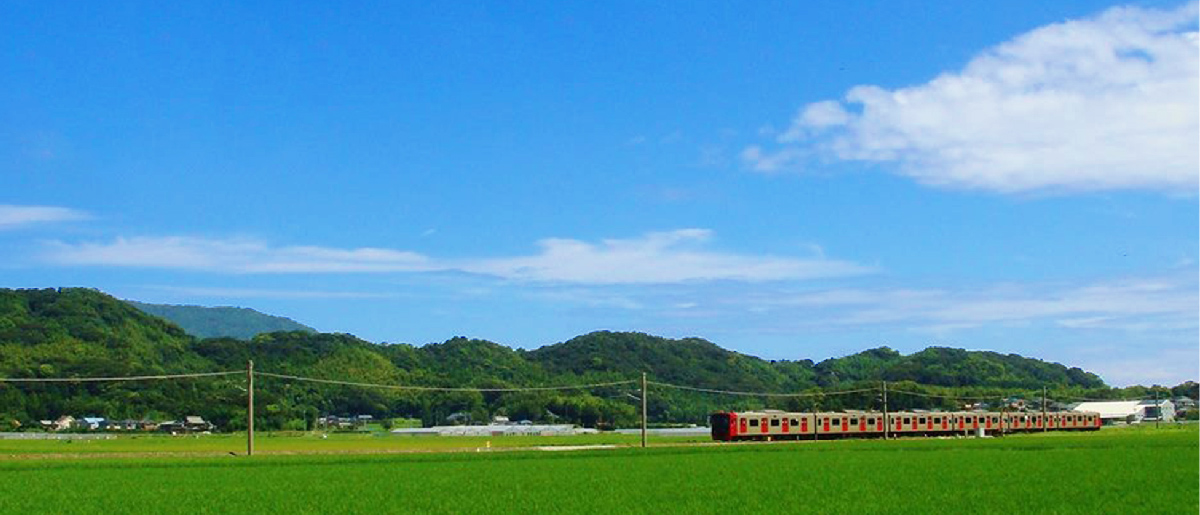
1157	408
250	408
643	409
1045	421
887	424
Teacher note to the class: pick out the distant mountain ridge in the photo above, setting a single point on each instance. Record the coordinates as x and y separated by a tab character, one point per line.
226	321
75	332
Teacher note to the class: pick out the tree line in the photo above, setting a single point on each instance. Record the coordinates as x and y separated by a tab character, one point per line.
56	333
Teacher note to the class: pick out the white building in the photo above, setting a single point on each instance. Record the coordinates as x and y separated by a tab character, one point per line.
1129	412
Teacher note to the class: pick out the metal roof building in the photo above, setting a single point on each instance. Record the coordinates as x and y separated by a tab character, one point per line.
1129	412
495	430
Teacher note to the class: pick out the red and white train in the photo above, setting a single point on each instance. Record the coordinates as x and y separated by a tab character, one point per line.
780	425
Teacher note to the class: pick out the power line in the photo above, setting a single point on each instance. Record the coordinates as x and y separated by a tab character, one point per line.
112	379
760	394
958	397
441	388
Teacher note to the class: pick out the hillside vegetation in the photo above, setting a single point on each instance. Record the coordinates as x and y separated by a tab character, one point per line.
81	333
206	322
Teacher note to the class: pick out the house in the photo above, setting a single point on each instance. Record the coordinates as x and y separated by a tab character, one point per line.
195	424
124	425
64	423
346	423
1184	404
1129	412
189	424
91	423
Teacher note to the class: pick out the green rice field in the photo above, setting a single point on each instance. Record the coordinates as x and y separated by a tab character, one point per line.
303	443
1130	471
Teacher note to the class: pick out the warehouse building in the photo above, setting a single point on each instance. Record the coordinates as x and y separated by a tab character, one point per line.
1129	412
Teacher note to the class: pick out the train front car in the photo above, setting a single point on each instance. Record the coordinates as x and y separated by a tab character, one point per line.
724	426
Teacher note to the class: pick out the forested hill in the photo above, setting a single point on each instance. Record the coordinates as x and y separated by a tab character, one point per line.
206	322
82	332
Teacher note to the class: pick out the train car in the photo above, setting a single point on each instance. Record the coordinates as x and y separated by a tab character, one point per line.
762	425
909	423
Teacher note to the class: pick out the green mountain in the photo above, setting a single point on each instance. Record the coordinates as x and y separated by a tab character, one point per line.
81	333
944	366
205	322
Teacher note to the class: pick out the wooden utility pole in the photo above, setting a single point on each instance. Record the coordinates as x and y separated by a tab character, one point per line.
1157	408
250	408
643	409
1045	421
887	424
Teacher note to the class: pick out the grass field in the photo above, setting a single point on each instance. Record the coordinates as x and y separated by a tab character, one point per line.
1142	471
292	443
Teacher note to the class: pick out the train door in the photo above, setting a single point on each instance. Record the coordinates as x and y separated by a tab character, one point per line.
743	423
804	425
862	424
786	426
825	424
762	424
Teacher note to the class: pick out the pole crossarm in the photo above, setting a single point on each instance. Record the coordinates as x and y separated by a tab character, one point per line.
112	379
443	388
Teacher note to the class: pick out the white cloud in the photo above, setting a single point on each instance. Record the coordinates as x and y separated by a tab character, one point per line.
1130	305
661	257
234	256
1108	102
12	217
253	293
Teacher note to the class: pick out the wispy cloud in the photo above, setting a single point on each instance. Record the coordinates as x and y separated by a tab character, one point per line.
660	257
234	256
655	258
267	293
1134	304
12	217
1107	102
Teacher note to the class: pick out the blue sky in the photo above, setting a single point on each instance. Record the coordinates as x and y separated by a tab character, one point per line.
789	180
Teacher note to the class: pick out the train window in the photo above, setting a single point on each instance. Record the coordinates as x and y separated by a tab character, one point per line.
937	420
795	422
870	421
754	422
921	420
854	421
907	420
774	422
837	421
